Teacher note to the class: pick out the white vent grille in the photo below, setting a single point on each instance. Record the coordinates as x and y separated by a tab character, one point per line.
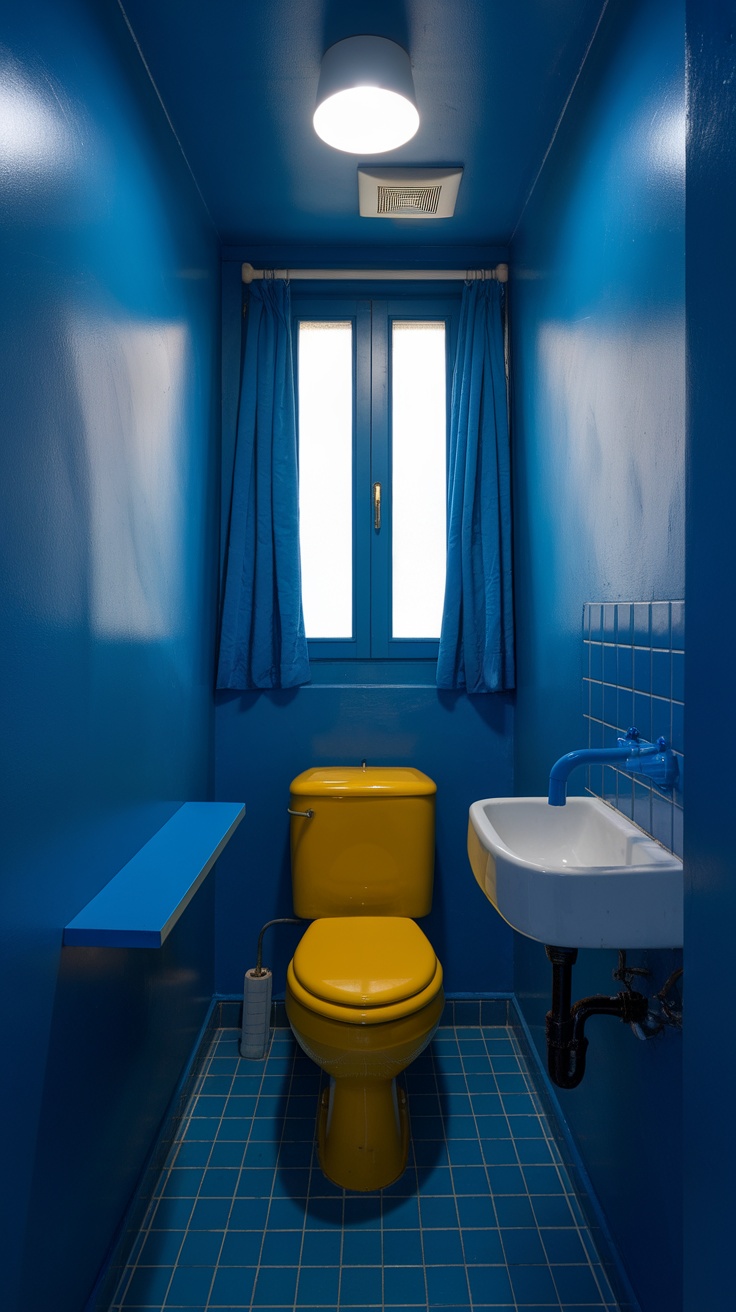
408	193
408	200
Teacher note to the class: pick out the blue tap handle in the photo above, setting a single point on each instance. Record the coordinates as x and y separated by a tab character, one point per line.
654	760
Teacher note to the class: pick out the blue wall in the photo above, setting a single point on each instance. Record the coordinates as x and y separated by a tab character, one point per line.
710	898
109	318
598	351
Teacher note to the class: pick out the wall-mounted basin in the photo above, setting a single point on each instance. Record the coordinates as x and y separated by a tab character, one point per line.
578	876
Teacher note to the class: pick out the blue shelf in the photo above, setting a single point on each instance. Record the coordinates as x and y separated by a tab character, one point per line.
143	901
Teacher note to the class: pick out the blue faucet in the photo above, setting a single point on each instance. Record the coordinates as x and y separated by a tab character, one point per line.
655	760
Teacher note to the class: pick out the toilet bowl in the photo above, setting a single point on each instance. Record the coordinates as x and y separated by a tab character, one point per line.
364	989
363	997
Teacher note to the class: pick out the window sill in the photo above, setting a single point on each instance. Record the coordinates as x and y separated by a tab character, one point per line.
369	674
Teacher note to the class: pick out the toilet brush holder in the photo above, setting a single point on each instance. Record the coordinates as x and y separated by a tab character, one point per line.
256	1031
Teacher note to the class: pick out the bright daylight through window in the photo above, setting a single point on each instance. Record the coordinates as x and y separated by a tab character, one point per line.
373	585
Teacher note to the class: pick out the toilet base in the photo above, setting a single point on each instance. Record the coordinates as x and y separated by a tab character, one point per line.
363	1133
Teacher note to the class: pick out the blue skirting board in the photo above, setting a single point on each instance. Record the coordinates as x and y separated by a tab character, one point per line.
143	901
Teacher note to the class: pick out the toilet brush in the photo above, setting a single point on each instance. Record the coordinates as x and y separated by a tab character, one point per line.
257	985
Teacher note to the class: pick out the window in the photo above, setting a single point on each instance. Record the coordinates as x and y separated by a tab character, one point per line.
373	401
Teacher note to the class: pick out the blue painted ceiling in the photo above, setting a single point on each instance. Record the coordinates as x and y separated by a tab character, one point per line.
238	79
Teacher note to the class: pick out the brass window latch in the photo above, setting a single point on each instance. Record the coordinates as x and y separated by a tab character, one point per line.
377	506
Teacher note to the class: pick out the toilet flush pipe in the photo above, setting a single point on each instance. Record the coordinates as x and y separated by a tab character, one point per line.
281	920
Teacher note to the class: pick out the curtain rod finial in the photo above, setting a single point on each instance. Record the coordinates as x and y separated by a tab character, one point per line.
247	272
502	273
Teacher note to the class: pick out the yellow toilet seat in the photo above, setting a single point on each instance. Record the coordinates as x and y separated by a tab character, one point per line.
364	970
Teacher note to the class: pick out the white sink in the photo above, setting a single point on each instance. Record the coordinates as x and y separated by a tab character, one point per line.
575	876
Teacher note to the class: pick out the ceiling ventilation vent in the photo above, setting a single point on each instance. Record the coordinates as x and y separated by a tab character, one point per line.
410	201
408	193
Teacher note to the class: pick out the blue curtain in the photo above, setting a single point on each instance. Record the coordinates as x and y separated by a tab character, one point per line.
262	642
477	639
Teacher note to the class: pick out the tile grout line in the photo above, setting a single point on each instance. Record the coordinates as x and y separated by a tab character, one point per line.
485	1165
252	1118
178	1140
581	1231
251	1301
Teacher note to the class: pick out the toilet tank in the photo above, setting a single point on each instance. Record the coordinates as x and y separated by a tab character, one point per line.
368	850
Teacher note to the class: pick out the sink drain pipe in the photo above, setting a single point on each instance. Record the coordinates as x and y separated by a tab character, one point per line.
257	985
566	1041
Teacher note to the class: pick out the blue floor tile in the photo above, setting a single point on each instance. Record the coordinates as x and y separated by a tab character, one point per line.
523	1247
250	1214
190	1286
161	1247
532	1284
499	1152
193	1152
447	1284
514	1210
201	1248
208	1214
232	1287
275	1286
444	1249
404	1247
227	1155
148	1286
318	1286
533	1152
477	1213
401	1214
404	1285
482	1247
241	1248
575	1284
321	1248
563	1246
173	1213
362	1248
465	1152
489	1284
219	1182
482	1217
438	1213
360	1284
323	1213
183	1182
552	1209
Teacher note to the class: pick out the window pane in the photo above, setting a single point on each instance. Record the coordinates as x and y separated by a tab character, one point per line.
418	442
326	477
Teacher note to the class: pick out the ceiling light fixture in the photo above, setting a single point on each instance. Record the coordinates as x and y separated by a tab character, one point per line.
365	98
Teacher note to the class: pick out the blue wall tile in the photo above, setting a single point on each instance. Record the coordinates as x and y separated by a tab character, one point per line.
654	715
642	631
660	614
643	669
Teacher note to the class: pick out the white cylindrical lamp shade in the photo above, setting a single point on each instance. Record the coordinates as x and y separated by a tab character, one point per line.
365	97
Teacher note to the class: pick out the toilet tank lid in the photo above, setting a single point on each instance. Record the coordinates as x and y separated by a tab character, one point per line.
363	781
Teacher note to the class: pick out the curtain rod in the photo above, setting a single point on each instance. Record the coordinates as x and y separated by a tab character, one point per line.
499	274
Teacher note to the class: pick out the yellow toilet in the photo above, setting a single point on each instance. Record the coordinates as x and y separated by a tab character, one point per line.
364	989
